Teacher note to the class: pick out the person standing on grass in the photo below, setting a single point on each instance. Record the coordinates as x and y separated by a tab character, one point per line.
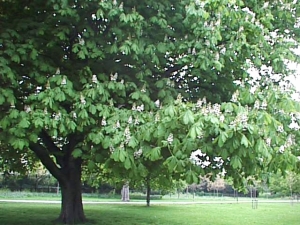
125	192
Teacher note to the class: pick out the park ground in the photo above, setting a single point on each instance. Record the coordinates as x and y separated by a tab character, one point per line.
28	210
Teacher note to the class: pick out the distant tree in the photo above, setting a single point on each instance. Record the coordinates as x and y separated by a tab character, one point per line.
217	185
285	185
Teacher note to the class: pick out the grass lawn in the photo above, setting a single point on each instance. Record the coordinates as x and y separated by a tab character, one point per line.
24	195
196	214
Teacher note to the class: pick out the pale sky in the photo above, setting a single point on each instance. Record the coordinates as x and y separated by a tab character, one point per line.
296	80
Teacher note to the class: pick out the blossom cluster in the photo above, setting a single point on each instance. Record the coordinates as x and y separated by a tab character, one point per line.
170	83
294	122
137	154
103	122
111	149
57	116
201	102
241	119
117	125
94	79
82	100
127	135
179	99
235	96
260	105
137	108
207	108
170	138
289	142
114	77
157	117
200	158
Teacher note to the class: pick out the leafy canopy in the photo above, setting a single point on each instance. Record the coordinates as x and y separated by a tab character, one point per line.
80	79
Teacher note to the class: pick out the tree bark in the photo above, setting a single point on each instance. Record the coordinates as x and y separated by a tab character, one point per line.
71	204
67	170
148	190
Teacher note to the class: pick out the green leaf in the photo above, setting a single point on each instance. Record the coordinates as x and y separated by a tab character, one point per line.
267	118
236	162
14	114
72	125
83	114
33	137
81	54
133	142
228	107
91	165
236	144
188	117
100	14
142	170
161	47
33	54
222	139
15	58
111	85
154	154
161	130
135	95
38	122
244	141
218	65
192	177
193	133
160	84
106	143
4	123
146	136
214	120
251	128
224	153
170	111
77	153
127	163
261	147
171	163
19	144
98	158
24	123
122	155
2	99
93	109
220	142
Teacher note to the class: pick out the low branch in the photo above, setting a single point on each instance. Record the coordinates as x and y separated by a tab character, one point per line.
52	148
43	154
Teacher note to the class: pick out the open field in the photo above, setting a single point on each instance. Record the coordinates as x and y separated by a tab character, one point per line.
193	214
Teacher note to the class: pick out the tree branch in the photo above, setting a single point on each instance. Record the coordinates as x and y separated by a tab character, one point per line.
73	141
52	148
43	154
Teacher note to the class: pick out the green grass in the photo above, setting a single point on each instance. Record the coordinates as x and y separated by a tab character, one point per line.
196	214
26	195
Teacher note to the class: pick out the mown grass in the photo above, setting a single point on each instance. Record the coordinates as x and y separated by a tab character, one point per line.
128	214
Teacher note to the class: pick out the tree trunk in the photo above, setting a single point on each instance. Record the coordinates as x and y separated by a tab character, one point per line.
67	170
71	204
148	190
